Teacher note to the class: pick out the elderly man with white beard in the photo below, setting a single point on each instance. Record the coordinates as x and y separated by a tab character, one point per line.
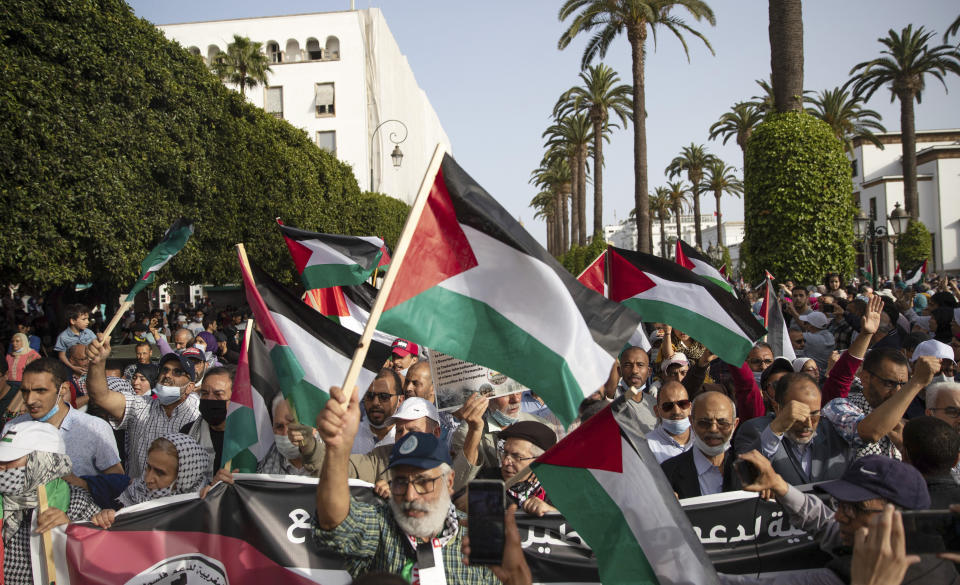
418	535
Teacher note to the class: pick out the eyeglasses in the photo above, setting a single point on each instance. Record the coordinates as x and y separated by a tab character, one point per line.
952	411
514	456
851	509
758	361
380	396
668	406
706	424
421	485
888	383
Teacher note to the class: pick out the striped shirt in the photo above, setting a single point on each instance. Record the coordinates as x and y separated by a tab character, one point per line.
145	420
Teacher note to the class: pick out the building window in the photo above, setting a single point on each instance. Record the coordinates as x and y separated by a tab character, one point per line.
292	52
332	49
273	101
328	141
853	167
314	52
873	208
273	52
324	99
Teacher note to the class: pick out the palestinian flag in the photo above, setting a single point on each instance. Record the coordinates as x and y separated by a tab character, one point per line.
172	242
477	286
618	500
325	260
594	277
249	432
664	291
309	352
689	258
347	305
777	334
916	275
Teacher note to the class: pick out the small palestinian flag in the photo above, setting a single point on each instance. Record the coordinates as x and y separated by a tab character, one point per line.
916	275
173	241
249	433
477	286
689	258
666	292
618	500
325	260
347	305
777	334
594	277
309	352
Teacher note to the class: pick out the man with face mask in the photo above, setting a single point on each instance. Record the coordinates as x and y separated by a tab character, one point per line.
707	468
284	457
199	359
405	354
144	418
89	440
215	392
672	435
379	403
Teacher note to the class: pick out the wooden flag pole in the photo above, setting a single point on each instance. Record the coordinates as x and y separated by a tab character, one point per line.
47	537
395	262
124	307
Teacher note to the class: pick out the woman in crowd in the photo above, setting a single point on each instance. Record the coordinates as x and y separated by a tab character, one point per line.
20	355
144	378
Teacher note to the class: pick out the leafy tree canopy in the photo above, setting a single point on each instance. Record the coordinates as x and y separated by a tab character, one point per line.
914	246
578	258
108	131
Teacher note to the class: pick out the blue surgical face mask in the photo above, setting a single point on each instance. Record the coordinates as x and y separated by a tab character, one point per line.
502	419
167	395
53	411
756	377
675	427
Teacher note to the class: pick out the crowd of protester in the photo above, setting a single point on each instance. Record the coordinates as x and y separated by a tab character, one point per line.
868	410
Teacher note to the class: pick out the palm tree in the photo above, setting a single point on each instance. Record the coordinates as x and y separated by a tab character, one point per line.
573	134
600	94
554	175
720	179
847	117
677	194
952	30
786	54
545	204
609	18
692	159
906	61
660	207
243	65
738	123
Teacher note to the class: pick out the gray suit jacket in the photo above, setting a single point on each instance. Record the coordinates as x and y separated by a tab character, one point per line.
830	457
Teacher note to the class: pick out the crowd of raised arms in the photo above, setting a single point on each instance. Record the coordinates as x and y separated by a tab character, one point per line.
866	408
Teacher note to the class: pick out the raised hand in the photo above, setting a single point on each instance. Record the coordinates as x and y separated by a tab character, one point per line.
337	423
870	322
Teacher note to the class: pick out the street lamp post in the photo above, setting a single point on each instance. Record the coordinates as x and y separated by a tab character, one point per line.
397	154
866	228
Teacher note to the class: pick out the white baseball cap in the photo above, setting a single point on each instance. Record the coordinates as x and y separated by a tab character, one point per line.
816	318
676	358
414	408
23	438
934	348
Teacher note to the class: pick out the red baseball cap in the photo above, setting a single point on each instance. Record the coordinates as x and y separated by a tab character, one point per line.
403	348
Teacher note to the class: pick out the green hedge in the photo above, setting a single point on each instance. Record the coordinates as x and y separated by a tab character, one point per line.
798	201
914	246
577	258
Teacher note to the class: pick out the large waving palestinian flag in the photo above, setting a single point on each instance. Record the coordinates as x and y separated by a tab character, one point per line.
666	292
594	277
309	352
347	305
325	260
249	432
616	497
688	257
477	286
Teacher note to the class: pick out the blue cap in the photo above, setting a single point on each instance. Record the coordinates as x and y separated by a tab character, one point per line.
185	364
876	476
422	450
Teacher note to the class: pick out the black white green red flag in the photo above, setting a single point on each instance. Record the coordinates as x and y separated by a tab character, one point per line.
778	336
594	277
174	239
477	286
915	276
614	494
688	257
347	305
249	432
325	260
663	291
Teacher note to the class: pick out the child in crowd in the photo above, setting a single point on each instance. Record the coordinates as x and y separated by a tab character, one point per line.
78	317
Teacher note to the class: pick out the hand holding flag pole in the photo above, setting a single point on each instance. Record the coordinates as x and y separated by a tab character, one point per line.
405	237
43	506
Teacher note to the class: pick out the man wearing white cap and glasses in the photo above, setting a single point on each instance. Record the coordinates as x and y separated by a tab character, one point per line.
931	348
32	454
819	343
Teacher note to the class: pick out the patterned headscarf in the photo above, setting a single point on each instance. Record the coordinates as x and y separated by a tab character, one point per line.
24	344
41	468
193	462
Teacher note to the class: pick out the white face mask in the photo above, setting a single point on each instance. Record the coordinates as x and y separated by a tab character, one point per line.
286	447
941	378
707	449
167	395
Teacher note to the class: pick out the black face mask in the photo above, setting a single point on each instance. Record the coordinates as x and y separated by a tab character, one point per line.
213	411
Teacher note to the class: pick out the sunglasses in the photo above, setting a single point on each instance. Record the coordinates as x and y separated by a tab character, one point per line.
380	396
668	406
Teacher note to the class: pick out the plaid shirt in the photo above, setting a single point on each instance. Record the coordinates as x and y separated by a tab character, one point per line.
370	540
145	420
17	566
845	414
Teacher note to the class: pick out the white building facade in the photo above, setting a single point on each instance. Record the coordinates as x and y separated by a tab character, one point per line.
624	234
878	187
339	76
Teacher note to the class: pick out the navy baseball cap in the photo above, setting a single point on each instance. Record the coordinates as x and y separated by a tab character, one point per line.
422	450
876	476
185	364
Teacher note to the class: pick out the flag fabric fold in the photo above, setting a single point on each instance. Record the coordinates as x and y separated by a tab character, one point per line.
594	277
614	494
688	257
477	286
663	291
777	334
249	432
915	275
325	260
174	239
349	306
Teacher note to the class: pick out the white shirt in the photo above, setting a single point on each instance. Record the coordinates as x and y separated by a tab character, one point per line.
664	446
709	475
366	441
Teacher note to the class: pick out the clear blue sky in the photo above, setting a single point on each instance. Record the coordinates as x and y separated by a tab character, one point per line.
492	72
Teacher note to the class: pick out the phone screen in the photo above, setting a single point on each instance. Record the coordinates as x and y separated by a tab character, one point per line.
485	508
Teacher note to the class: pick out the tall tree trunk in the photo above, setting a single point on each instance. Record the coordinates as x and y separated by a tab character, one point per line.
565	214
908	141
650	232
718	193
597	173
663	239
637	35
676	212
697	236
574	200
786	54
582	188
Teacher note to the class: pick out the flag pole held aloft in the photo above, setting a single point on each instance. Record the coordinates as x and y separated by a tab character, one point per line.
409	227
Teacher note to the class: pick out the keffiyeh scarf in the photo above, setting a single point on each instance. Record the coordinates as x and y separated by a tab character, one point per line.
19	487
193	463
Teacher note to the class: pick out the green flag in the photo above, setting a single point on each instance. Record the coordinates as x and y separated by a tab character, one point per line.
173	241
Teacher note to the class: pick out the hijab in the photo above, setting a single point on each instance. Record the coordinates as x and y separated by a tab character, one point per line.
192	465
19	497
24	344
